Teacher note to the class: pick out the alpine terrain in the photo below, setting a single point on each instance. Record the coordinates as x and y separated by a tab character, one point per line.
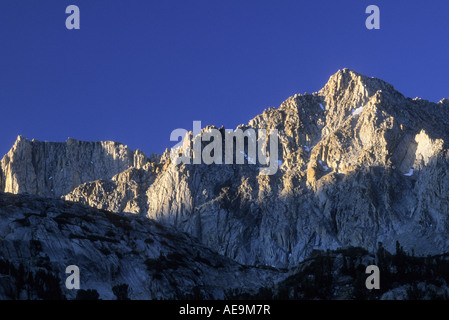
362	179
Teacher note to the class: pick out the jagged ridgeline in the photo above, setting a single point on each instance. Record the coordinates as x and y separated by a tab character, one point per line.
359	164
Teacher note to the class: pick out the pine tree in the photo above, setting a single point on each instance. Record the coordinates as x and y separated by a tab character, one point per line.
121	291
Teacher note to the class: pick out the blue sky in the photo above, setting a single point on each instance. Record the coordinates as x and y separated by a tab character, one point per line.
138	69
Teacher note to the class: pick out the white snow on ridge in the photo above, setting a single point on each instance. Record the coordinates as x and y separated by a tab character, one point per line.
250	160
357	111
408	174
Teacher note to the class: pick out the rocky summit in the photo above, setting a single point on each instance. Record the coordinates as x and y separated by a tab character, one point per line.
360	165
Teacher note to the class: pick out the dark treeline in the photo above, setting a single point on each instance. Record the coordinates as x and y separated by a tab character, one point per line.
325	274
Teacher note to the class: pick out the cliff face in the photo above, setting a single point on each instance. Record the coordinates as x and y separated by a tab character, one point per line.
54	169
359	164
40	237
124	192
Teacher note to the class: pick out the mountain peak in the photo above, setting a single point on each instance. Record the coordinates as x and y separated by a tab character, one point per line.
349	155
347	79
20	138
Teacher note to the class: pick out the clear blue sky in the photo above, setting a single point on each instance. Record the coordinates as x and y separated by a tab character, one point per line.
137	69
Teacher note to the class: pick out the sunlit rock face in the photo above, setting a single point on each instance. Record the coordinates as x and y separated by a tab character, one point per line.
359	164
56	168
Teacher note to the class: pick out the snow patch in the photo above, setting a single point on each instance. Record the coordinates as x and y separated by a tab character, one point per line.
408	174
50	178
324	166
322	108
357	111
307	148
250	160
